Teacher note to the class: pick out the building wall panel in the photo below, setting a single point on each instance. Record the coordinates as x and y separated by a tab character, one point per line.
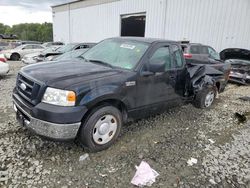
219	23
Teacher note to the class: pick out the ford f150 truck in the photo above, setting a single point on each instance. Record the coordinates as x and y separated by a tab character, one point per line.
90	98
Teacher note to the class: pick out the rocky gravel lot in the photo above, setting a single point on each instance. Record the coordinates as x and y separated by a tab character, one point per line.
215	137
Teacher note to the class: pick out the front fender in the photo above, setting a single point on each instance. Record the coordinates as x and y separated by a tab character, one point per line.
100	94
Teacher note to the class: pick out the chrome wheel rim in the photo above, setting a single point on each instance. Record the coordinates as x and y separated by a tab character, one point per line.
209	99
105	129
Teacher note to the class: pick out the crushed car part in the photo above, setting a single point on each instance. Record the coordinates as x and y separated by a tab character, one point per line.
240	61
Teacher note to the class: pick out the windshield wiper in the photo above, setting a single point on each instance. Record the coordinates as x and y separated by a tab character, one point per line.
99	62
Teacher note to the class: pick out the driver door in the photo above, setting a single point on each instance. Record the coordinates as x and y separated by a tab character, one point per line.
157	89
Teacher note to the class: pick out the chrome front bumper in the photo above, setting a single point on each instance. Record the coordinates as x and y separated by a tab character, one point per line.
46	129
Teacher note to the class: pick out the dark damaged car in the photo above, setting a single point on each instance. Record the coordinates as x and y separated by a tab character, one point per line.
240	62
119	79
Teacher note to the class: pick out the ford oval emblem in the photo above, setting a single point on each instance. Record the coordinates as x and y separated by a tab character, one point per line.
23	86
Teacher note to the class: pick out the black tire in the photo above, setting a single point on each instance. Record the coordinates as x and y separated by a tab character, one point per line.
87	130
15	57
200	98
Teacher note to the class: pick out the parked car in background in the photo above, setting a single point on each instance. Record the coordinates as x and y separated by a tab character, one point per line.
32	58
68	55
18	52
240	62
194	51
50	44
4	67
199	54
11	36
64	49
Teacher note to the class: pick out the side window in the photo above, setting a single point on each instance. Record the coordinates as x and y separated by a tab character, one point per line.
162	54
178	57
213	54
36	47
194	50
203	50
81	47
28	47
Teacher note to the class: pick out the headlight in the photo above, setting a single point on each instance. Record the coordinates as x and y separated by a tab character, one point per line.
59	97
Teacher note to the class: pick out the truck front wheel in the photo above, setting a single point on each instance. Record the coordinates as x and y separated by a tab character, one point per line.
205	97
100	129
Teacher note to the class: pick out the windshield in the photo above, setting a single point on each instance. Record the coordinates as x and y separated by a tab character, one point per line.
117	53
71	54
66	48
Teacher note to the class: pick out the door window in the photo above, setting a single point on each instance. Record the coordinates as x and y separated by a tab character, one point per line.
37	47
194	50
162	54
178	59
212	53
28	47
81	47
177	56
203	50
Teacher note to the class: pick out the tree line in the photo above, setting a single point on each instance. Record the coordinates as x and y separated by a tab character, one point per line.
29	31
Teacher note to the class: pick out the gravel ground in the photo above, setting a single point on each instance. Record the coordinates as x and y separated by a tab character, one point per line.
214	136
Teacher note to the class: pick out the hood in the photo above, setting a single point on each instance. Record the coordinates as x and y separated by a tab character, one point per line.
62	74
235	53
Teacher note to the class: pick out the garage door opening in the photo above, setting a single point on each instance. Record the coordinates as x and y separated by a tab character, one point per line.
133	25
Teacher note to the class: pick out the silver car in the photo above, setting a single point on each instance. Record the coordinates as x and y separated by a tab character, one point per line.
18	52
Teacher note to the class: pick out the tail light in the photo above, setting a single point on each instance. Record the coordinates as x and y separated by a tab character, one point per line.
2	59
188	55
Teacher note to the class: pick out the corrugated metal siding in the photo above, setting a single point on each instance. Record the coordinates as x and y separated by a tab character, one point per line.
61	26
95	23
219	23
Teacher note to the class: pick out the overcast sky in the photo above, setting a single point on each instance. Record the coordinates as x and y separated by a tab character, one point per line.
27	11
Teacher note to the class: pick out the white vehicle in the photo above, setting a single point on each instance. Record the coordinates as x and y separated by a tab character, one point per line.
18	52
4	67
32	58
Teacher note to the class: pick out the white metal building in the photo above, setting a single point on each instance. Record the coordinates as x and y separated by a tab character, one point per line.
219	23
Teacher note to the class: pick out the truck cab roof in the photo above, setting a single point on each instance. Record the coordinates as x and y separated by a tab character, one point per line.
146	40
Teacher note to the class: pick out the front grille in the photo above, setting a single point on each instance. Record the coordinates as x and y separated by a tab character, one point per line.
27	88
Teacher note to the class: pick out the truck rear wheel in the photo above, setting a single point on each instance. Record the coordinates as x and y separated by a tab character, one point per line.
101	128
205	97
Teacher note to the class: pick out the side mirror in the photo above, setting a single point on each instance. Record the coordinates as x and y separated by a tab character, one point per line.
157	66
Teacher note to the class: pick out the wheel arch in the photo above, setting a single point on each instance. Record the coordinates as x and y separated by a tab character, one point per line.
119	104
15	53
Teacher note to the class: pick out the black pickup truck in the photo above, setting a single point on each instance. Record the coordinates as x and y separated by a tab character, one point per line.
90	98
